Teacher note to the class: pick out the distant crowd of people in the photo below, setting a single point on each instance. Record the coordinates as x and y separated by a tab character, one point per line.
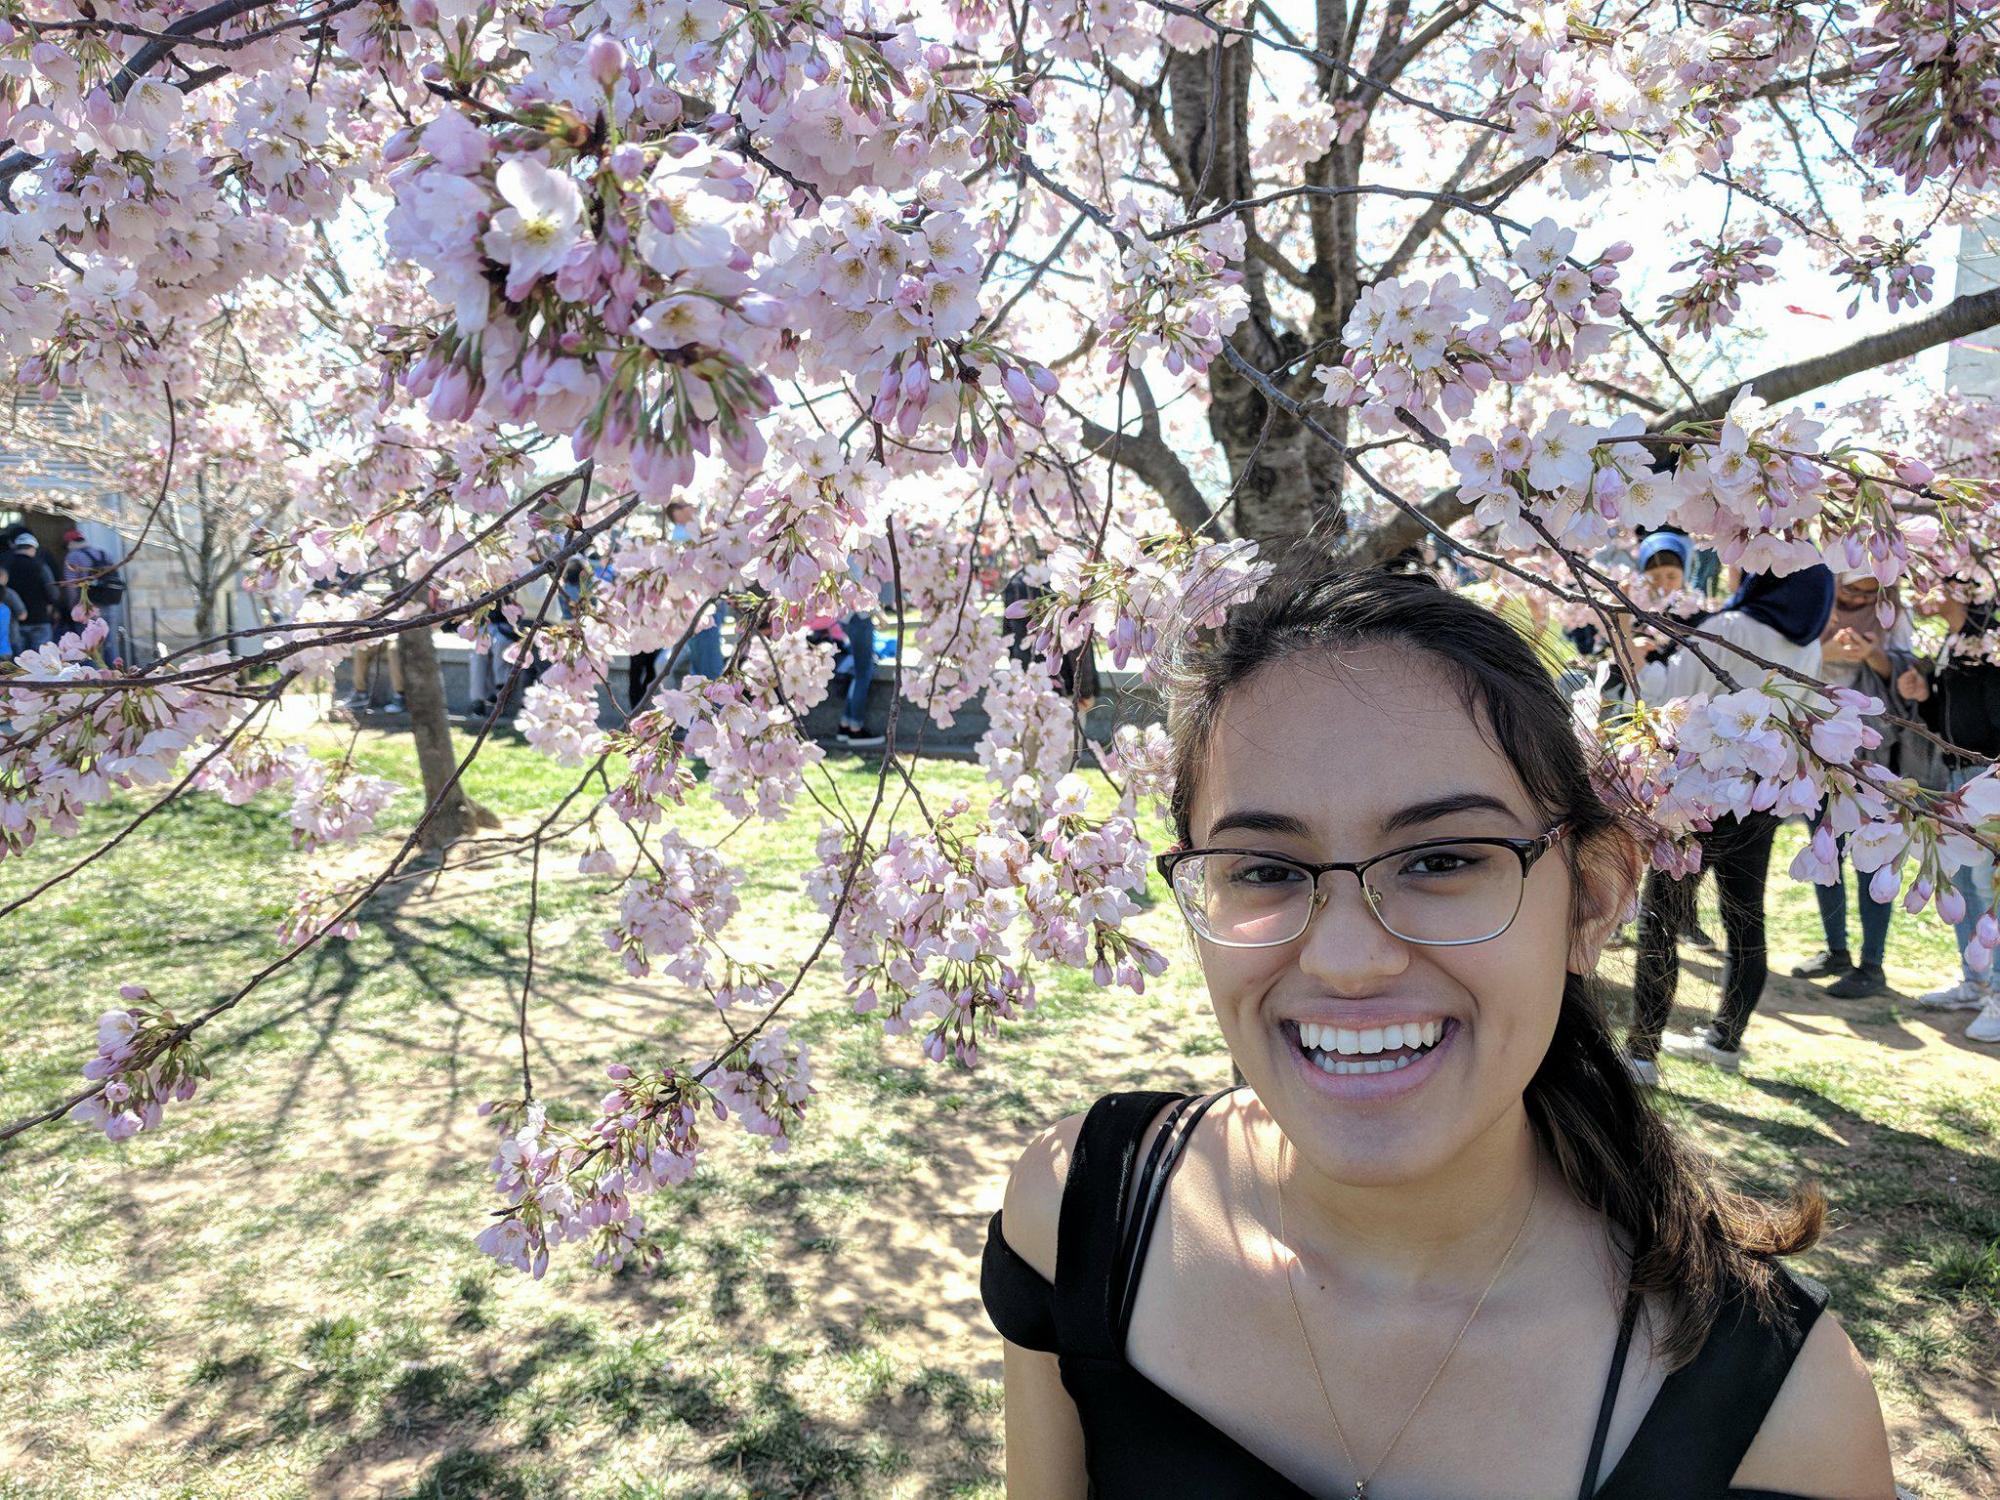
1833	629
41	602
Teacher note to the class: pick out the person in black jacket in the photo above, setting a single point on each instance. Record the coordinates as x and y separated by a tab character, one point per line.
29	577
1959	698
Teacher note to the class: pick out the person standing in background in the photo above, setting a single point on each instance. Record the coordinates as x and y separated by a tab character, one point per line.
1858	651
11	611
703	651
1773	619
91	577
1663	558
29	577
367	655
1959	698
859	665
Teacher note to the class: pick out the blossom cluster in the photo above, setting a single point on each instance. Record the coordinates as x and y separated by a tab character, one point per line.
1140	592
1722	269
926	931
1755	482
756	756
142	1063
1177	294
1563	79
1934	106
1889	264
1411	349
677	913
91	737
765	1086
332	803
564	1186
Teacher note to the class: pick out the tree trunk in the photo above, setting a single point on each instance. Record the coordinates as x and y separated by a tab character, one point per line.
1282	474
430	726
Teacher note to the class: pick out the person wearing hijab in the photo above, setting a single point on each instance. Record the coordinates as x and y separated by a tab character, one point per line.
1768	620
1664	559
1858	651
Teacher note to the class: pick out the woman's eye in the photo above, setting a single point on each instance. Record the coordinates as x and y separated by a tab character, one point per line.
1266	874
1440	862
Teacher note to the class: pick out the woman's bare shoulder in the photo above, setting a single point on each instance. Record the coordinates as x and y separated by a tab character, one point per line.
1033	1204
1823	1435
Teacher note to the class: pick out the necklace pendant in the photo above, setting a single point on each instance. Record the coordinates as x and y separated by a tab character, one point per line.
1360	1489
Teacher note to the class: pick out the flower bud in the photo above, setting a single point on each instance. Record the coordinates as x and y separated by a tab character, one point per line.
1883	884
1951	905
604	57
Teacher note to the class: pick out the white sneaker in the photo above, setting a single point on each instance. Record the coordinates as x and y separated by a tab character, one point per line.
1985	1026
1645	1072
1967	994
1701	1047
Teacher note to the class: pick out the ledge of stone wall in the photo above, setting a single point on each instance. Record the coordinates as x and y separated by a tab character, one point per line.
1124	701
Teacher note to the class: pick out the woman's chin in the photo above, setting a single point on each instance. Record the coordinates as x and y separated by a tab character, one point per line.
1368	1129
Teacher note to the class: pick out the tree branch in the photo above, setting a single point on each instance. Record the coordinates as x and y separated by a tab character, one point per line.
1963	316
1146	454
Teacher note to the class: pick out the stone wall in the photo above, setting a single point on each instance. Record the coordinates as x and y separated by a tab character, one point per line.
1125	701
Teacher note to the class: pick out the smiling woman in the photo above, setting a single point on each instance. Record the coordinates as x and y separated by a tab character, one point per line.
1439	1243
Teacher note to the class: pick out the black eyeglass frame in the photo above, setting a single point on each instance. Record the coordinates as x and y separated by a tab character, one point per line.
1528	851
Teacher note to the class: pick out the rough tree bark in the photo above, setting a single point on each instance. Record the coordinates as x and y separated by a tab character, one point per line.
1277	468
430	726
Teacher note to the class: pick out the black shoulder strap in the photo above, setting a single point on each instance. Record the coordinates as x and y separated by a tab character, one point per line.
1089	1231
1611	1382
1706	1415
1149	1191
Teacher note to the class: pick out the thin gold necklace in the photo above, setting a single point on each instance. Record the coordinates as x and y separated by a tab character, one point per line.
1361	1484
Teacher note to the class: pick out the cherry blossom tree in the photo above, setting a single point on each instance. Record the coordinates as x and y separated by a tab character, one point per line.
102	456
1145	291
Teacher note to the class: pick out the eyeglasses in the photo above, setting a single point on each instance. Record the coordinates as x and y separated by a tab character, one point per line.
1442	893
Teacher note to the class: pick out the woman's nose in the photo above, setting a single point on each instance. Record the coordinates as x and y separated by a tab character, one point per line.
1345	944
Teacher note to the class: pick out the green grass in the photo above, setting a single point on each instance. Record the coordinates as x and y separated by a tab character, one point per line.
277	1293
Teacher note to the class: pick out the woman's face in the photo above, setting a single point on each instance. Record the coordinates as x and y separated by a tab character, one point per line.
1858	595
1340	761
1665	574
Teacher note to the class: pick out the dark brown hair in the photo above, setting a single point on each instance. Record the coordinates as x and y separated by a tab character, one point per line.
1696	1245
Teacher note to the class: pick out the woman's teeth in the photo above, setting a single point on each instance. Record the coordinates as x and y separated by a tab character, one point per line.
1342	1051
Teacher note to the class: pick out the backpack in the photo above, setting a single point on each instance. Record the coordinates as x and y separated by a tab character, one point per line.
107	587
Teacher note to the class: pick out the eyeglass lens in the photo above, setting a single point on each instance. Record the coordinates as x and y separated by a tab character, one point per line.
1456	893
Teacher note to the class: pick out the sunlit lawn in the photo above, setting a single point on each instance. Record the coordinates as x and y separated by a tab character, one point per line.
277	1293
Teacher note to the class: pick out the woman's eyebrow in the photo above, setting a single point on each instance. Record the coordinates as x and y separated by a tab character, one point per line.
1256	820
1259	820
1433	808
